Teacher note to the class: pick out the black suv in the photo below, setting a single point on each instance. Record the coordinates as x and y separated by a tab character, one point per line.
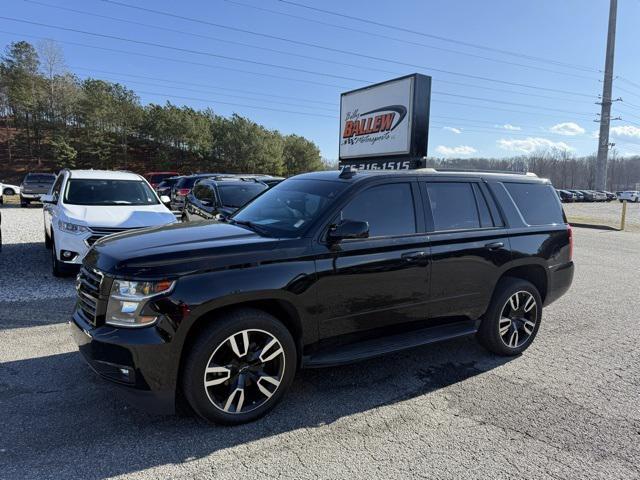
323	269
212	196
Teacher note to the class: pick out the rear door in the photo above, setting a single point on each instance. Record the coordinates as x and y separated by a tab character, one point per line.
468	243
382	280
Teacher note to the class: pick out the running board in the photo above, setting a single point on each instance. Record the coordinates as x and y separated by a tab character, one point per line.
355	352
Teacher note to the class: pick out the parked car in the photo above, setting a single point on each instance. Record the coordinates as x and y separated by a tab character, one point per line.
164	187
219	196
34	186
84	206
154	178
589	195
183	186
579	196
325	268
629	196
566	196
609	195
8	189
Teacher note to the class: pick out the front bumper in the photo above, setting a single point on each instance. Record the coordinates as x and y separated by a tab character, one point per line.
71	242
31	196
149	381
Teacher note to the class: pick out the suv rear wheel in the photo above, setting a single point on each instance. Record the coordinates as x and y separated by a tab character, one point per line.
240	367
513	318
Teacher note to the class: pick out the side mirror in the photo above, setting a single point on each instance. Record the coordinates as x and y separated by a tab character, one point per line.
164	199
347	229
206	203
221	217
48	199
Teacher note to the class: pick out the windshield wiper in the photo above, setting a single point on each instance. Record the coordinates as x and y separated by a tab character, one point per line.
252	226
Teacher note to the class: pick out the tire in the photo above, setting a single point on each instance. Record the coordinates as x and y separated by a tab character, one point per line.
220	402
496	334
47	240
8	191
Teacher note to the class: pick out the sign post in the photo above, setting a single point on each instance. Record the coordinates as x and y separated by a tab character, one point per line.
386	125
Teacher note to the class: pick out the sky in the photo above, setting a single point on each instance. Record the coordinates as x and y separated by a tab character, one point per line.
509	76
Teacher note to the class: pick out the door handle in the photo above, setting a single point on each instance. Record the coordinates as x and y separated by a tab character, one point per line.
494	246
413	256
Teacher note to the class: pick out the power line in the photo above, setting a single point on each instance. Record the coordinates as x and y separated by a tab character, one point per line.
336	50
257	107
352	30
307	81
183	50
188	62
212	87
198	35
437	37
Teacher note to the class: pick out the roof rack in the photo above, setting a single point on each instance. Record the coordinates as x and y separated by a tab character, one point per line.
480	170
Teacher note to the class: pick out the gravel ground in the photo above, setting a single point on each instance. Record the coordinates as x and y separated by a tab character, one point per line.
606	214
566	409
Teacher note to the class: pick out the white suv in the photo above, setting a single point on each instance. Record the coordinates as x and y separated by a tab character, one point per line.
629	196
85	205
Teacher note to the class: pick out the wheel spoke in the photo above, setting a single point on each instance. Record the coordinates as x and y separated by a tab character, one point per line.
514	301
265	391
529	304
232	400
528	327
513	340
217	380
505	324
274	345
245	343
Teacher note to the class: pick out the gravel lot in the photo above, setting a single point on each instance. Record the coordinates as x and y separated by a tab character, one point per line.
606	214
567	408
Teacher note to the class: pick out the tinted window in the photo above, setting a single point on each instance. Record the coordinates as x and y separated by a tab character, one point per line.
388	209
453	206
204	192
288	208
158	177
109	192
39	178
237	195
486	220
537	203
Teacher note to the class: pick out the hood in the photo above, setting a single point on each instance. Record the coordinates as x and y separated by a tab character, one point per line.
121	216
181	248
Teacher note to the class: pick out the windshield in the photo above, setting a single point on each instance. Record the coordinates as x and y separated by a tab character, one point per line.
109	192
39	178
237	195
288	208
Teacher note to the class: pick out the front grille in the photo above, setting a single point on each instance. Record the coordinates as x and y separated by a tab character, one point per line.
99	232
88	284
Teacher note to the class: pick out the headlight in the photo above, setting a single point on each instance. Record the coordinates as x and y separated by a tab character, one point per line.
128	298
71	227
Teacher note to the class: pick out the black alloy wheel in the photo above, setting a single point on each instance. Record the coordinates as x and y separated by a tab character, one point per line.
513	318
239	367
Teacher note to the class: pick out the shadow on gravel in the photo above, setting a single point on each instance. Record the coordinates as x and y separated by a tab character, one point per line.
62	421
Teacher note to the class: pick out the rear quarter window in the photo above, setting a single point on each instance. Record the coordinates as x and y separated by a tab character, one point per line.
538	203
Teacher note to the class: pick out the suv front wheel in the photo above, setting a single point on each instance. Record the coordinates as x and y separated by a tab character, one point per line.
513	318
240	367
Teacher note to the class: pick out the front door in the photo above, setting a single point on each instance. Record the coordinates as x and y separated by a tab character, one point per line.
382	280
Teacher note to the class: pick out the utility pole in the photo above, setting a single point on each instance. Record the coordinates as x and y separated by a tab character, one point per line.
605	112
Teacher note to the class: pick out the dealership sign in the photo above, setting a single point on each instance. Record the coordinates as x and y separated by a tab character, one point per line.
386	125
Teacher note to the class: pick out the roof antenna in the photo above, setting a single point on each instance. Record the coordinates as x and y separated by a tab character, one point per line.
348	171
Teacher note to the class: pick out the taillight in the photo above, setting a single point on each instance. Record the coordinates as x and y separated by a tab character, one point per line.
570	232
184	191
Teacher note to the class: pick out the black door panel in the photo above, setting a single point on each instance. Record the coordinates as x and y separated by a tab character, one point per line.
373	283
